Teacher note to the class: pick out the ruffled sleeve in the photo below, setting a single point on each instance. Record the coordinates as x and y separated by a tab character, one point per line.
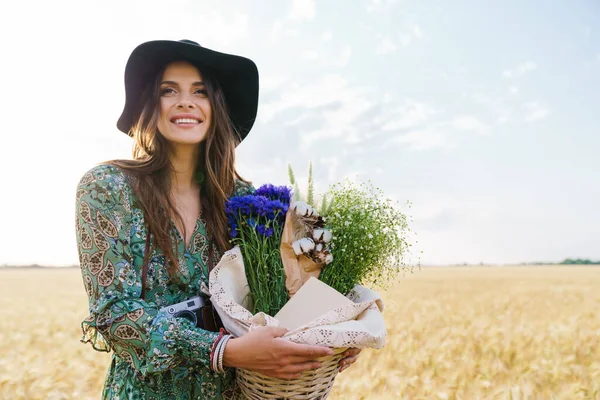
119	320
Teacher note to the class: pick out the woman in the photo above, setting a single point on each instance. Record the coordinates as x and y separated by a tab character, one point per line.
150	229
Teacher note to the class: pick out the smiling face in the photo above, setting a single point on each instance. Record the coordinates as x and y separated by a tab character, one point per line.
185	111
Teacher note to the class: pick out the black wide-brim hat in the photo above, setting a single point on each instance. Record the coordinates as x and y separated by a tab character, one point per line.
238	77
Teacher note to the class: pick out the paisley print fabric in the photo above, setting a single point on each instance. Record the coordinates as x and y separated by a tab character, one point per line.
155	356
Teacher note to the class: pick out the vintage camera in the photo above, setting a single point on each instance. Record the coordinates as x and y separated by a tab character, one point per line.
190	309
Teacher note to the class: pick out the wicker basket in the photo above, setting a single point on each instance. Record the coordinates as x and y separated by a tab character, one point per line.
314	384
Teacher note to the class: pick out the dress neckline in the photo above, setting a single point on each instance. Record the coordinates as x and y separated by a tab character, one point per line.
187	246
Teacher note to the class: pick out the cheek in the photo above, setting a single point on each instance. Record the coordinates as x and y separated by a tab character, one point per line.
207	111
163	117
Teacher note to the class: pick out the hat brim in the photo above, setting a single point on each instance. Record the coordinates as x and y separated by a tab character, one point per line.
238	77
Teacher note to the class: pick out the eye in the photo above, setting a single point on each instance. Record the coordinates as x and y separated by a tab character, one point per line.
201	92
166	91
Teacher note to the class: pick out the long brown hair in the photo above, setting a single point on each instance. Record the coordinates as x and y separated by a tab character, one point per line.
151	170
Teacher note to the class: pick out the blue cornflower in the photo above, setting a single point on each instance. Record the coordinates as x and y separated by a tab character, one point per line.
239	205
263	230
276	208
260	204
281	193
233	229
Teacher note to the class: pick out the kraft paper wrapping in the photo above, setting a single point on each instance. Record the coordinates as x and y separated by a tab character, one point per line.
297	268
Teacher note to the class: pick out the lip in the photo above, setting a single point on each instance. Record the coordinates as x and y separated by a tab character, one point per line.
190	116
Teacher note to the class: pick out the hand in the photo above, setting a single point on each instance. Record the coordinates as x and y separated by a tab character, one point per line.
263	350
350	356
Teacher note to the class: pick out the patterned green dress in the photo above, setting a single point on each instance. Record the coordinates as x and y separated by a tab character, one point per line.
155	356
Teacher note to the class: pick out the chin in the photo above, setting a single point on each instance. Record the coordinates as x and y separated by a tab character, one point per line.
186	138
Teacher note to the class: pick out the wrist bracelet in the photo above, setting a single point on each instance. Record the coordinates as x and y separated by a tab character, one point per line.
215	361
222	352
213	349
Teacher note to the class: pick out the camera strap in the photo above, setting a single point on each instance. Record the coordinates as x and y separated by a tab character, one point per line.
145	265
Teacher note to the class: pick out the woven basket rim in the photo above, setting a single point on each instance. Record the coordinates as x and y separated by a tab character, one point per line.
313	384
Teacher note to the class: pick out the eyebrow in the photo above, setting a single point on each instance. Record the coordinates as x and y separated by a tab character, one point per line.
199	83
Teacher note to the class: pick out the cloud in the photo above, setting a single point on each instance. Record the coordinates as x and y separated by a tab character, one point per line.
444	133
469	123
340	60
379	5
414	33
270	83
310	55
502	119
535	111
405	115
302	10
280	30
444	219
385	46
594	61
498	108
520	70
332	163
324	92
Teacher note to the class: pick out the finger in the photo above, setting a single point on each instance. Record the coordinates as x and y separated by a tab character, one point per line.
277	331
348	360
352	352
308	352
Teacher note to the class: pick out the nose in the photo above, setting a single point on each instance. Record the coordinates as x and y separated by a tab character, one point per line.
184	103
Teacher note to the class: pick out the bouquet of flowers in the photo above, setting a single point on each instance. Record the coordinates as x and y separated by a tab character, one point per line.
256	224
369	237
281	247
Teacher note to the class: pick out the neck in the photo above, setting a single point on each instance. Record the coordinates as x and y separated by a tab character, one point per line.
184	160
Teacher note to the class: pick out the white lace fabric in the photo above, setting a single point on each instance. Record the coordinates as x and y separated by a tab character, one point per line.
358	325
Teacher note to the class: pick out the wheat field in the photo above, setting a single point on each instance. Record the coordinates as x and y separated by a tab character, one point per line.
453	333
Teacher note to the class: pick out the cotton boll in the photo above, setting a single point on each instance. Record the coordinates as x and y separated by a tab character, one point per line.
327	235
307	244
319	247
303	209
318	234
328	259
296	247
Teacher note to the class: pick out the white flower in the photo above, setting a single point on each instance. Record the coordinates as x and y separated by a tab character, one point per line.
304	210
307	244
323	235
370	236
297	248
303	245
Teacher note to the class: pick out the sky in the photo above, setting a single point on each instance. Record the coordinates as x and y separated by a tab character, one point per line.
484	116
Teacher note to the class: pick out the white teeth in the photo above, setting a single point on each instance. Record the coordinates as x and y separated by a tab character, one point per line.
186	121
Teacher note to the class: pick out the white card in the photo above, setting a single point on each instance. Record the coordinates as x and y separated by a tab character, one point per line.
314	299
